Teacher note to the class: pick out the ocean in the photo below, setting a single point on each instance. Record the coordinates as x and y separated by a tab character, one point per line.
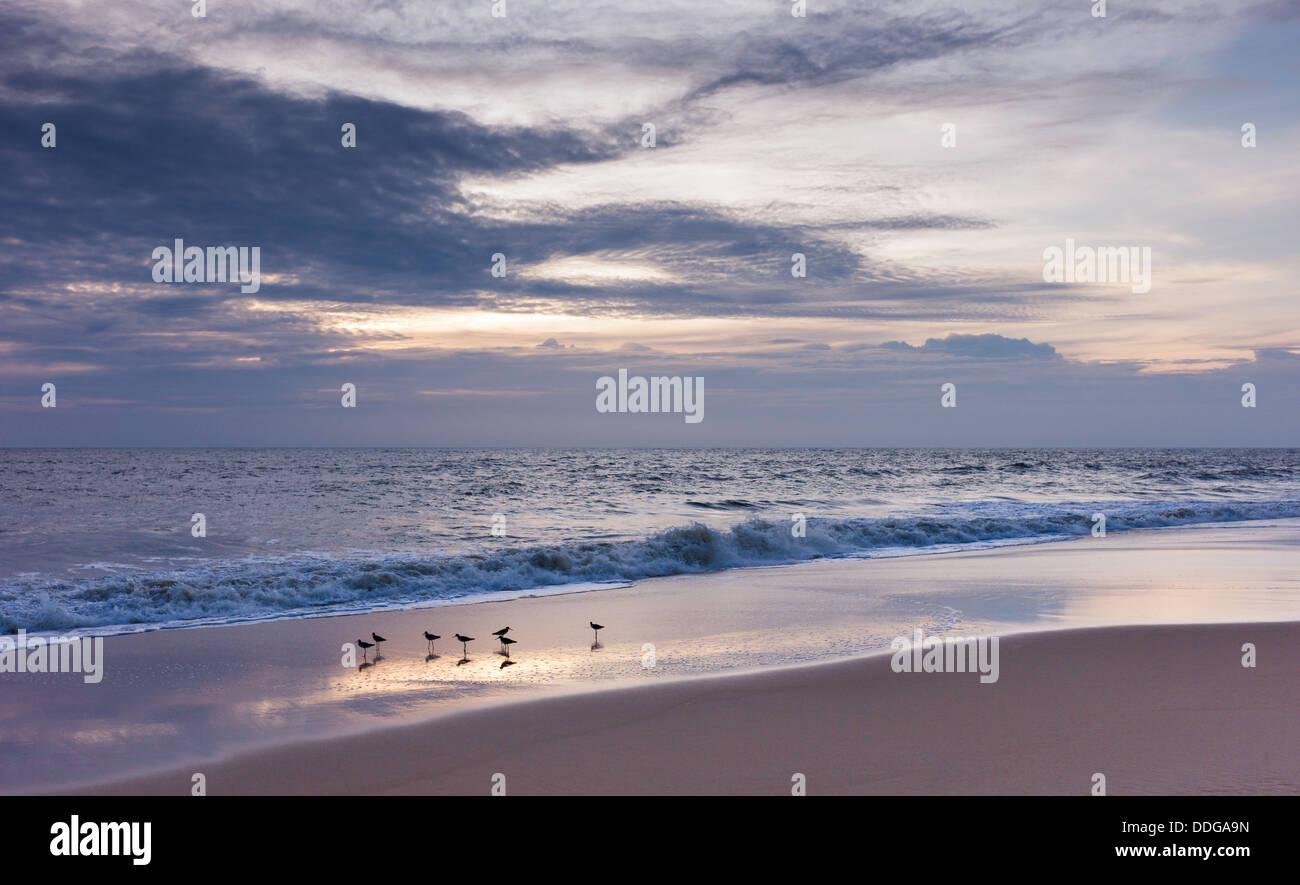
102	540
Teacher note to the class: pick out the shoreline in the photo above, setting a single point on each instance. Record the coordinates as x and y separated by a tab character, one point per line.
580	587
171	696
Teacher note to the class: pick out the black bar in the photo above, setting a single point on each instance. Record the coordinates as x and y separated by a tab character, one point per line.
350	835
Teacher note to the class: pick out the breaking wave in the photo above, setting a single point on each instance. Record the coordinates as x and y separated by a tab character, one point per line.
258	588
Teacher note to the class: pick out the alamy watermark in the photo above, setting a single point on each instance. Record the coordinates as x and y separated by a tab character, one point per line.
946	654
76	838
179	263
1102	264
654	394
53	654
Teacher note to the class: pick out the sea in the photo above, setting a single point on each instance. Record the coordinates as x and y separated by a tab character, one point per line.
108	540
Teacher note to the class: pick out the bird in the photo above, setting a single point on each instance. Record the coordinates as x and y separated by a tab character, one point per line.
378	639
596	628
431	637
502	632
464	644
363	645
506	642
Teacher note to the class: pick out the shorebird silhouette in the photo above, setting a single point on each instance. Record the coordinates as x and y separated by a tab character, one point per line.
378	639
464	645
363	645
596	628
506	642
431	637
502	632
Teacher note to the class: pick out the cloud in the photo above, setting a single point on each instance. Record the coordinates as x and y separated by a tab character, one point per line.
987	346
1276	354
521	136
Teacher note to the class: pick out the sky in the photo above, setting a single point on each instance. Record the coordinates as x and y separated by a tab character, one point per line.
920	156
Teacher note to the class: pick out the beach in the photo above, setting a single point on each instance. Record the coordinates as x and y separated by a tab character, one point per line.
1120	655
1155	710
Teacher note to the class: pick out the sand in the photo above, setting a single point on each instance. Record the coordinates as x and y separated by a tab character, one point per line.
1156	710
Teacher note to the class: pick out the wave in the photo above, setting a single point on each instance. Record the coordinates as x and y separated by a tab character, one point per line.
245	589
729	504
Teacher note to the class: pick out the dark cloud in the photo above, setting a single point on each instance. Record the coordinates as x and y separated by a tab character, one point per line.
150	150
1276	353
986	346
150	157
831	48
